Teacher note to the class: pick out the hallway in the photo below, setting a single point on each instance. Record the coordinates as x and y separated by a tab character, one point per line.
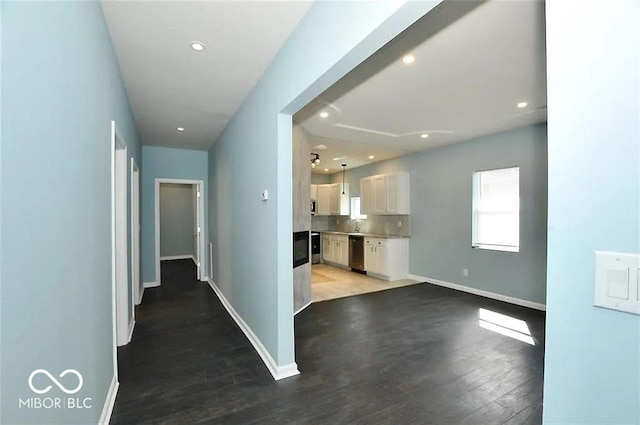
414	355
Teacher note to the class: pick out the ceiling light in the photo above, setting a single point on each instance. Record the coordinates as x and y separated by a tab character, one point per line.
324	114
180	128
408	59
424	136
371	156
320	147
522	105
326	169
315	159
197	46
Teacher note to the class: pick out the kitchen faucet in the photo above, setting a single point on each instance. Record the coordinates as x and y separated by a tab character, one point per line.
357	230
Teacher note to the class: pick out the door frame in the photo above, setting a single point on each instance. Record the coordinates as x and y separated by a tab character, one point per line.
199	207
136	293
119	250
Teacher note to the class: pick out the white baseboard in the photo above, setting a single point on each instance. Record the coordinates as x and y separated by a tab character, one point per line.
482	293
132	326
177	257
193	257
140	295
204	279
109	402
278	372
149	285
302	308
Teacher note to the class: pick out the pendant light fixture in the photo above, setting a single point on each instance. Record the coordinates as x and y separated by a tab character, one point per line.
344	167
315	160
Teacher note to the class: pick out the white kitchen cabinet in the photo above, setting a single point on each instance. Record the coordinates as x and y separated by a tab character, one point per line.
327	248
322	202
387	258
385	194
380	194
335	249
366	196
329	199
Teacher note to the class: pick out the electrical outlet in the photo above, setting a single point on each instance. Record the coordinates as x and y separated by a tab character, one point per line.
399	223
465	273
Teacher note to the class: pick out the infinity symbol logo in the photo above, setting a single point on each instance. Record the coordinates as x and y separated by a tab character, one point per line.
55	381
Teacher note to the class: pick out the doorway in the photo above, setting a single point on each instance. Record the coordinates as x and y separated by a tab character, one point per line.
178	230
122	327
136	291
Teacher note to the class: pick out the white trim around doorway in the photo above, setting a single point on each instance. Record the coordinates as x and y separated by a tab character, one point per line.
200	224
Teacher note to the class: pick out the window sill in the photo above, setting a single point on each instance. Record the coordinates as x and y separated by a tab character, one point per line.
497	248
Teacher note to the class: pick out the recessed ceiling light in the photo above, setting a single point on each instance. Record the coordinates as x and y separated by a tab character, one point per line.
324	114
424	136
326	169
408	59
197	46
522	105
180	128
320	147
371	156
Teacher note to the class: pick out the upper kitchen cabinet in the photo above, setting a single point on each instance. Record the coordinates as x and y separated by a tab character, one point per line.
314	192
330	200
385	194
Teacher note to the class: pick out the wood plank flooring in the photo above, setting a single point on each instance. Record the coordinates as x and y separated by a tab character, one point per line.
412	355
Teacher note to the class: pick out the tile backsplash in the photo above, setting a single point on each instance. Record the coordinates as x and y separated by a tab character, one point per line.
378	224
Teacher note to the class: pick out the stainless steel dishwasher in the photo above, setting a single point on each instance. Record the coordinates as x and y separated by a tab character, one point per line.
356	253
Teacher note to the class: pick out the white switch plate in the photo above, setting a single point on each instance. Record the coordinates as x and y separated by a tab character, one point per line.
616	281
264	195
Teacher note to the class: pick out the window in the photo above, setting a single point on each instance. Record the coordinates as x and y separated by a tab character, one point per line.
355	210
496	209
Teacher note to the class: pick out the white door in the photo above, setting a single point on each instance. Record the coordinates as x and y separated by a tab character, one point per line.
198	229
135	232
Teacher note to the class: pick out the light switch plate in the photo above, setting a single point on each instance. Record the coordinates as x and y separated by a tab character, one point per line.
616	281
264	195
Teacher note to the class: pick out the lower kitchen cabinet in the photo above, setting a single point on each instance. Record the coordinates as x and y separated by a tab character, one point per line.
335	249
386	258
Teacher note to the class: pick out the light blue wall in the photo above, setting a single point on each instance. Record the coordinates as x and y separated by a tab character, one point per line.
177	220
592	362
167	163
252	238
61	87
320	178
441	192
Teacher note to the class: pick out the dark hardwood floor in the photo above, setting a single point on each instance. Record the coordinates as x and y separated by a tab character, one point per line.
413	355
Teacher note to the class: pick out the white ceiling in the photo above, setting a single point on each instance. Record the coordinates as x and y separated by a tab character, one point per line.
170	85
474	62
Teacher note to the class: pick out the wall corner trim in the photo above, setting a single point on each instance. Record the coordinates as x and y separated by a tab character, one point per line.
109	402
302	308
480	292
132	326
149	285
278	372
141	294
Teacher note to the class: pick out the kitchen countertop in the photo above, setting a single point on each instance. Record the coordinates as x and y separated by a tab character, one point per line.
367	235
